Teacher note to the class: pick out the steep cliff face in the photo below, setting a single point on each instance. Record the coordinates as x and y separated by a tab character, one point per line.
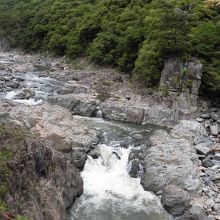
41	183
182	78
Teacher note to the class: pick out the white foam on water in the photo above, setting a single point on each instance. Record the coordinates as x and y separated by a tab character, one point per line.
31	102
110	193
107	177
11	95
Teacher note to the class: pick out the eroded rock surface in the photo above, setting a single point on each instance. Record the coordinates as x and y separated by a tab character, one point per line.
173	157
35	174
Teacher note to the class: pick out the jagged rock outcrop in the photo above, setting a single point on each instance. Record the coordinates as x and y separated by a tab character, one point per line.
182	78
56	126
42	183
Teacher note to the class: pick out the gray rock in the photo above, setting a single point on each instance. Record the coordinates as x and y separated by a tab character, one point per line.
172	158
180	76
214	116
25	94
78	104
211	217
99	114
78	159
13	85
208	162
117	155
216	156
137	136
135	168
205	116
125	143
57	126
122	112
95	154
214	130
202	149
4	116
199	119
175	200
48	181
191	130
195	213
204	140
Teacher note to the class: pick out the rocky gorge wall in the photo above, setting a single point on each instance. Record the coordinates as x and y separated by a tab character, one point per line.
35	173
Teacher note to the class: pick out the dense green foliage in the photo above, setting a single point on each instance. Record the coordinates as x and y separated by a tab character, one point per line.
134	35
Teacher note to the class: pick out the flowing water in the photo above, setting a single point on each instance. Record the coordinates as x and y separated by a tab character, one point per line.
109	192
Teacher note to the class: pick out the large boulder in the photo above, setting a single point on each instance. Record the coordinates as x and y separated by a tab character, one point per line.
56	126
195	213
189	130
172	157
122	112
175	200
169	161
78	104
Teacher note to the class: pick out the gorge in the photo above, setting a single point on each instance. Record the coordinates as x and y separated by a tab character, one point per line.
57	113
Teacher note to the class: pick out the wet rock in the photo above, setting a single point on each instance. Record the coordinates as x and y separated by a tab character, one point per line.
25	94
135	168
99	114
13	85
214	130
117	155
195	213
78	159
95	154
125	143
175	200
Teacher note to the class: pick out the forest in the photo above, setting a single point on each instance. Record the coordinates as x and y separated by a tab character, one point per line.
135	36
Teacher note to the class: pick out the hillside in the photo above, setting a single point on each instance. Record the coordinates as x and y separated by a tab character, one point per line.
136	36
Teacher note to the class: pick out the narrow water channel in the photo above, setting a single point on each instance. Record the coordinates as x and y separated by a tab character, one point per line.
109	192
